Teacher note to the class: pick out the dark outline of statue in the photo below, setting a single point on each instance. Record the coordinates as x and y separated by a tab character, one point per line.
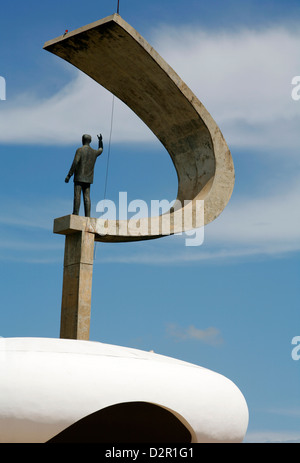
83	170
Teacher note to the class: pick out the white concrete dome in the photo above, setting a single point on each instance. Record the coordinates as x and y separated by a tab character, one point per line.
66	390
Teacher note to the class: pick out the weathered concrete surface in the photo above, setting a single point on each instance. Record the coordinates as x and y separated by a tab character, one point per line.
134	229
116	56
77	286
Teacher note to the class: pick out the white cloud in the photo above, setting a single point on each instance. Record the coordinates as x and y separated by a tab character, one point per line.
37	214
26	230
269	437
242	77
210	335
265	225
19	245
286	412
80	107
270	223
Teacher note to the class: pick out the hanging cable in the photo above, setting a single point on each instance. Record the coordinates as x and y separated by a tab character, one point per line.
108	158
109	144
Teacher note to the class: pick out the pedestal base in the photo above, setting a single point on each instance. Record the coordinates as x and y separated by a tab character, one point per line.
77	286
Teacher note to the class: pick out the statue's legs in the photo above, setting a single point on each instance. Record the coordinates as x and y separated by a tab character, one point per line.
86	199
77	194
85	187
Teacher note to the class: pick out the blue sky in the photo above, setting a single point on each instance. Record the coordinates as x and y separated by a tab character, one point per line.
232	304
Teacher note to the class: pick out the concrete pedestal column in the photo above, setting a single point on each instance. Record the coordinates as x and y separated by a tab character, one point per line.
77	286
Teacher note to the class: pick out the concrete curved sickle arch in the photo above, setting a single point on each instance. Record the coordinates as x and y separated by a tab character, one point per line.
116	56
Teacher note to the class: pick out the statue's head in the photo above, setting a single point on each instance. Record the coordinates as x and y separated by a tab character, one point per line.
86	139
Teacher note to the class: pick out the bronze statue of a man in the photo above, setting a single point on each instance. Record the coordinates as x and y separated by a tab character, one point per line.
83	170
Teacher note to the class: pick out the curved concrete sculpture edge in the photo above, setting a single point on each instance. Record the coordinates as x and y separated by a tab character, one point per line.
116	56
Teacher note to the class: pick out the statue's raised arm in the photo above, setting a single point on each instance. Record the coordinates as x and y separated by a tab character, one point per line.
100	144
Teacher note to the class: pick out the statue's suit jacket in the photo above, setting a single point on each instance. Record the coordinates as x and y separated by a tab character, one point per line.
84	163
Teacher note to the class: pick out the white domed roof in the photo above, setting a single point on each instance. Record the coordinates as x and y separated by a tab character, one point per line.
46	385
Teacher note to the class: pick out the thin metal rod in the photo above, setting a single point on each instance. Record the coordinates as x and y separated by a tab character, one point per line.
118	8
109	143
108	156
